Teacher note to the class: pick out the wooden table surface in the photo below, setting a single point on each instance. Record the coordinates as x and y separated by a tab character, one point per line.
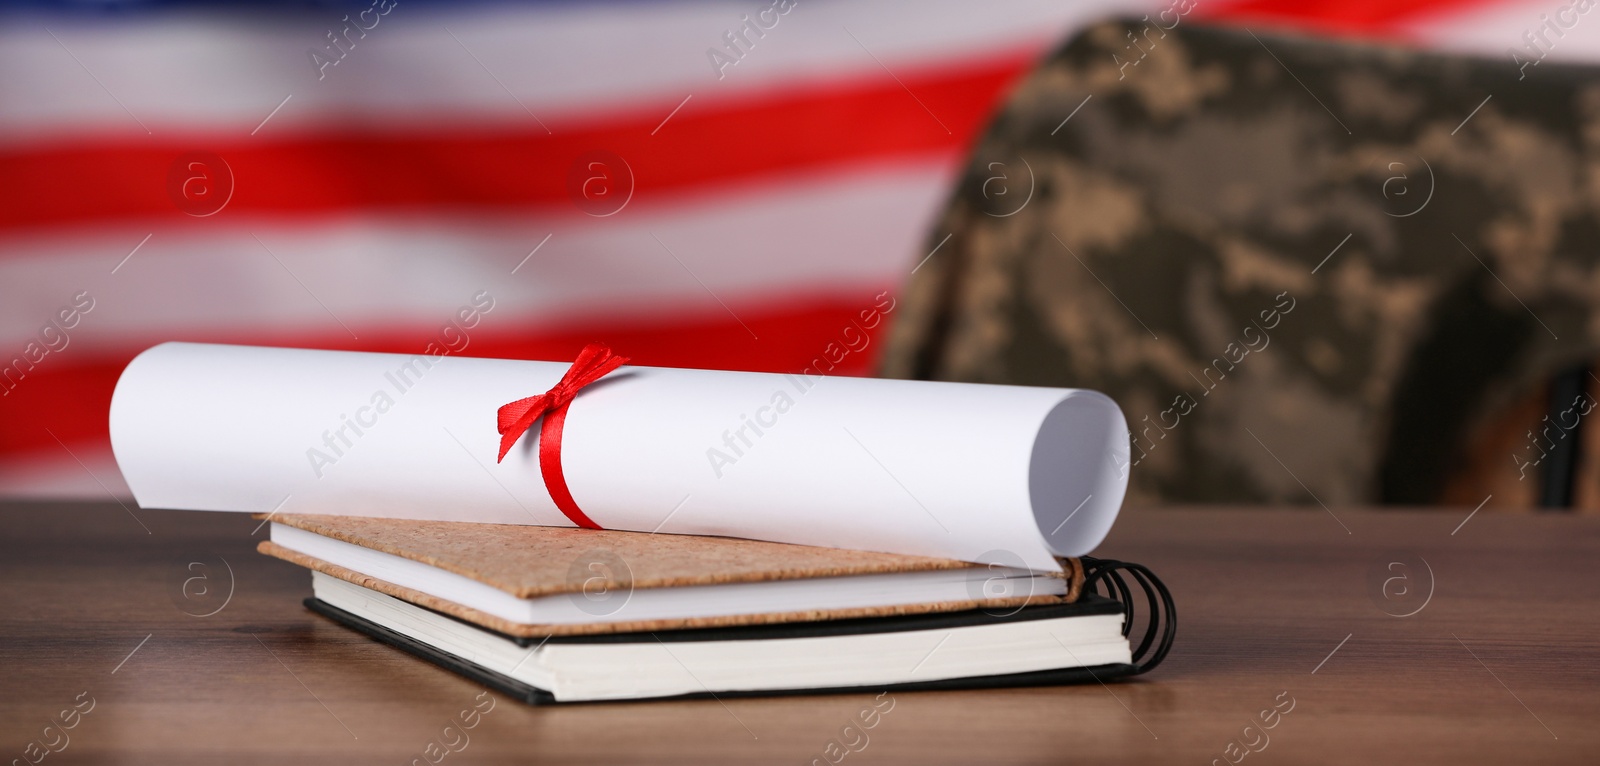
1497	664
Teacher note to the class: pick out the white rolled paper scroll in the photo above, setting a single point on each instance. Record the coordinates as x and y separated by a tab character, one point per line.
1002	474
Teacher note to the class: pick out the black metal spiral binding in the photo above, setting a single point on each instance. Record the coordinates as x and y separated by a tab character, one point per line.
1163	620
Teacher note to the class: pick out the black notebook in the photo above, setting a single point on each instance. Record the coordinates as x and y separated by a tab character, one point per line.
1025	646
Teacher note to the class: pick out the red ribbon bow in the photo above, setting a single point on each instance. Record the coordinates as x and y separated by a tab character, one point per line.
594	362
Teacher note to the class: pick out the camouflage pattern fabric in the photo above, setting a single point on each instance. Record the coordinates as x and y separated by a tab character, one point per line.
1305	269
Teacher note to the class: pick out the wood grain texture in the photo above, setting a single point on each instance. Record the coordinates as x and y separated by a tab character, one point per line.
1497	666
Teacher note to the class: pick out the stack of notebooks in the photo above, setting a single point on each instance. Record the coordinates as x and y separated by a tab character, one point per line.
549	614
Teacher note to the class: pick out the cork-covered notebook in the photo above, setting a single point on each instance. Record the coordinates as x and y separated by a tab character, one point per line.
529	581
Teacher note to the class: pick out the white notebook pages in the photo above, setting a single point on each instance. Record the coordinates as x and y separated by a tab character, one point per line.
632	670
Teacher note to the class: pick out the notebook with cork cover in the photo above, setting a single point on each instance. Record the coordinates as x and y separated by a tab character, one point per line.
532	581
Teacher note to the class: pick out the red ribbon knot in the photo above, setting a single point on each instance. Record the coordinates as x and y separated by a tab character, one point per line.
594	362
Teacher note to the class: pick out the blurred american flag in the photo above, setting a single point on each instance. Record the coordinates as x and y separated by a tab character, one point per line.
706	184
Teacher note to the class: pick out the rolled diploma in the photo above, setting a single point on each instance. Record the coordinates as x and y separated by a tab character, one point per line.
998	474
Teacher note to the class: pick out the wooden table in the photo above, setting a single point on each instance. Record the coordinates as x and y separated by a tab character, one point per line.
1498	665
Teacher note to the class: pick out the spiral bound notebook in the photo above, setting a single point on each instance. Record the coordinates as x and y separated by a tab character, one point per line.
619	651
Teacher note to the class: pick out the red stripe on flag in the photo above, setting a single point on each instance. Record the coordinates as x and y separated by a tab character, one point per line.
338	170
1359	18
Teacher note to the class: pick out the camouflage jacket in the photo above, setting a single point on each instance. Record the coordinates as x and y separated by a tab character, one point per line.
1302	268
